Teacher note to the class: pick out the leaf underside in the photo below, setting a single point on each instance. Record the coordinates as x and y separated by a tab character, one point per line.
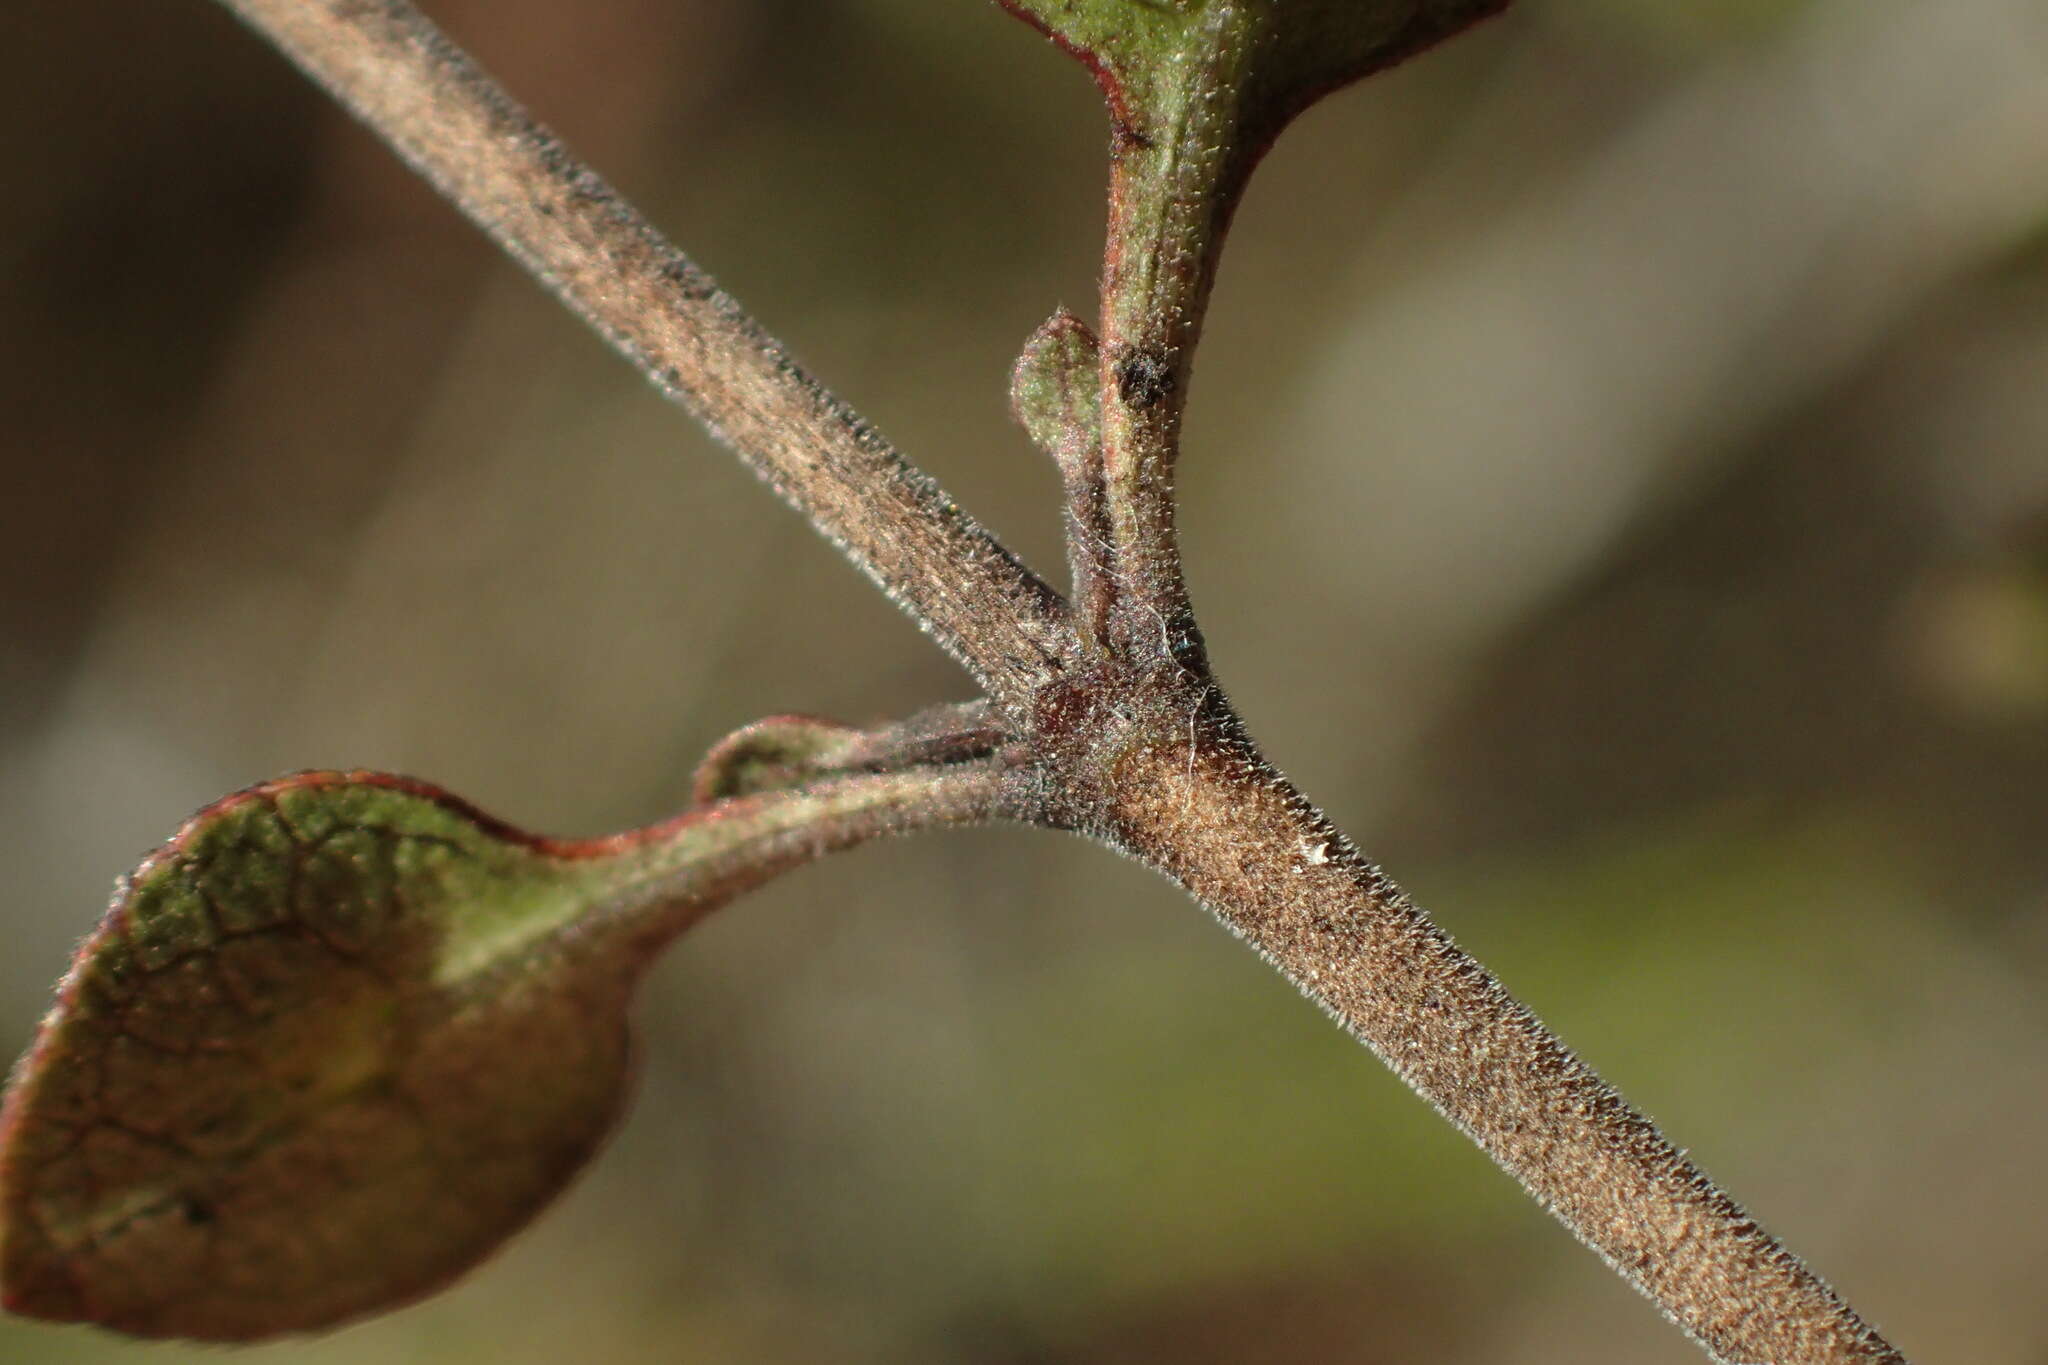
329	1047
1288	53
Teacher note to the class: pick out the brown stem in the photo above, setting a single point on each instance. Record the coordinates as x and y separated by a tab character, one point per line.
1146	755
414	88
1188	794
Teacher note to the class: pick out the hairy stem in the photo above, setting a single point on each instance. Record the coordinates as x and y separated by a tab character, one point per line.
1192	797
398	74
1148	756
1174	182
763	833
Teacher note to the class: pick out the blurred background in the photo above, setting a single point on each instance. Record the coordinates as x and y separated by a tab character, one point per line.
1617	488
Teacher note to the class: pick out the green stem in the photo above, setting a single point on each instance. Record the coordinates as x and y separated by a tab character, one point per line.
1175	179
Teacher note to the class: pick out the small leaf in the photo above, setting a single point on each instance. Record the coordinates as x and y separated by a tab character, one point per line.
771	755
1055	389
793	753
336	1041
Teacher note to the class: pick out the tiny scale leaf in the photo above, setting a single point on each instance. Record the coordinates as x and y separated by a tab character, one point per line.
1055	390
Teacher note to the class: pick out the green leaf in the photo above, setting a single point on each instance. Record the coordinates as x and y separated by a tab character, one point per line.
1055	390
1272	58
335	1041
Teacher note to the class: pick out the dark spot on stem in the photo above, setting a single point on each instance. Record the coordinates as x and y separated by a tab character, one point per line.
1143	377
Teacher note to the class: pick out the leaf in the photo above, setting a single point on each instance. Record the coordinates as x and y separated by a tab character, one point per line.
1273	58
1056	393
1055	390
791	753
772	755
335	1041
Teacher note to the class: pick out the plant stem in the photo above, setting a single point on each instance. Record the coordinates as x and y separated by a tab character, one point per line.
1155	764
1134	745
1191	796
1174	183
397	73
742	842
1211	814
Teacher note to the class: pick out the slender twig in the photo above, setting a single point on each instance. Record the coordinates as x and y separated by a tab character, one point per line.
1135	745
408	82
1217	820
